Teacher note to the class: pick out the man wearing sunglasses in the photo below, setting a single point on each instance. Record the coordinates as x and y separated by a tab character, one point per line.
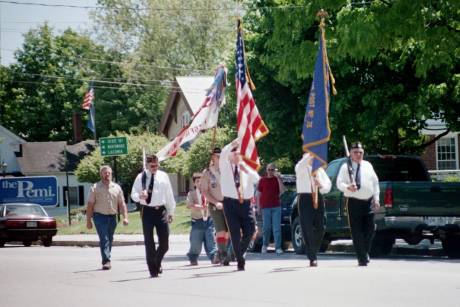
362	190
152	189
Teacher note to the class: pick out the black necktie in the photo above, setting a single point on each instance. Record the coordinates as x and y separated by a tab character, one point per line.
358	176
150	190
236	177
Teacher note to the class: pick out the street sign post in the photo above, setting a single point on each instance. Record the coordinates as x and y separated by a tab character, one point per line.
113	146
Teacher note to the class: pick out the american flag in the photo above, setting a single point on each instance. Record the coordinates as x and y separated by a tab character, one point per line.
250	125
88	100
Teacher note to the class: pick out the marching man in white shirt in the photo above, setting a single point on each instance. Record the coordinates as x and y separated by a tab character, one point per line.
152	189
237	183
361	188
311	215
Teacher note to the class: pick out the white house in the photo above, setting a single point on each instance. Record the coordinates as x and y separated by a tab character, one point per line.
9	144
442	157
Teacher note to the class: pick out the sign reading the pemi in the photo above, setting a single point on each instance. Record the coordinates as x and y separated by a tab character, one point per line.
41	190
114	146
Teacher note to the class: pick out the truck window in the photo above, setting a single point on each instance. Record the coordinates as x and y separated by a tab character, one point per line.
391	168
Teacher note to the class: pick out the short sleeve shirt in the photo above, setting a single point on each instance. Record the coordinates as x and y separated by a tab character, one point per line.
105	199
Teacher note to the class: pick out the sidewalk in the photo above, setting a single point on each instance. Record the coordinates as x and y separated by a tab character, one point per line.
91	240
341	246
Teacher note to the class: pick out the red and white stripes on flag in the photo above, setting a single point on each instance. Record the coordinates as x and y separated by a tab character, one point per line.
250	125
88	100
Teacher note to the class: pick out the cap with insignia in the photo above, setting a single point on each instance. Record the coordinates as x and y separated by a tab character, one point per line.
357	145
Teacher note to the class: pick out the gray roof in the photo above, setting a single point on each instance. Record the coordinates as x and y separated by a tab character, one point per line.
49	157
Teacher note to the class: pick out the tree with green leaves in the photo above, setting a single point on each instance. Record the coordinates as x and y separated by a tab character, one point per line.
40	92
198	156
163	39
395	64
128	166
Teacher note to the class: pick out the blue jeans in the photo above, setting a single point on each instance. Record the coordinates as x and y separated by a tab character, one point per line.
105	227
202	232
271	218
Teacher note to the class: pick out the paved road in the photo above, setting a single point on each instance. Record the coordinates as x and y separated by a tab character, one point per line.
71	276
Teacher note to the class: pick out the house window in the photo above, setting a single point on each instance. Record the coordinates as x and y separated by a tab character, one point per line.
185	119
447	153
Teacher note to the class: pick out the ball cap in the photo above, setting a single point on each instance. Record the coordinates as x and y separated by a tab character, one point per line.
357	145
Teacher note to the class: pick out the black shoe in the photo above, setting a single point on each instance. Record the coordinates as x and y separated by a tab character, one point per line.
241	264
153	274
313	263
226	262
362	263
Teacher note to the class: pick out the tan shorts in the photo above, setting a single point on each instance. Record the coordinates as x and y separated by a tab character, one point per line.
218	217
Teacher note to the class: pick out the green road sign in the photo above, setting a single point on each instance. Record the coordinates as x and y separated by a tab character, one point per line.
115	146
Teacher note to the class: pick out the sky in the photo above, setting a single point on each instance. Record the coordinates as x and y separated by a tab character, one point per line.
16	20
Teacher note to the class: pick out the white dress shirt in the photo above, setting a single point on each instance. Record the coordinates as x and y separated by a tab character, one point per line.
369	181
304	177
247	179
162	194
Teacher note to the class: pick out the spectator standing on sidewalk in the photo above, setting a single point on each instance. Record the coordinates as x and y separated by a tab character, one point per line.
152	189
104	202
202	231
270	188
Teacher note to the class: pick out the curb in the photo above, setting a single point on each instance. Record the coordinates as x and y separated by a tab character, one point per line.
95	243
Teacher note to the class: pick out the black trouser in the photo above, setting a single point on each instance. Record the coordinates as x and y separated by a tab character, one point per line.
239	219
312	223
362	226
153	217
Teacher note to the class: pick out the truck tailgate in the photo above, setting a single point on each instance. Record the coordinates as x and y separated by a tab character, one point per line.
423	198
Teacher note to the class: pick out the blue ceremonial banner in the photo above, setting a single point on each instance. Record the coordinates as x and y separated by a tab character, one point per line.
315	130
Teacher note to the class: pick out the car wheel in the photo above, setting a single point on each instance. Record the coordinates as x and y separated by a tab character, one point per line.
297	239
451	246
27	243
2	243
47	242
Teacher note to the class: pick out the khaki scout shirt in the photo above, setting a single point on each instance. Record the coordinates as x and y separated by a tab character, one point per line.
197	213
210	185
106	200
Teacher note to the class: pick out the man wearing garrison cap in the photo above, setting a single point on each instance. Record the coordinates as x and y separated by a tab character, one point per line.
361	188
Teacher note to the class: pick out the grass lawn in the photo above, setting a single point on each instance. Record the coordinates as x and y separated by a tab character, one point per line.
180	225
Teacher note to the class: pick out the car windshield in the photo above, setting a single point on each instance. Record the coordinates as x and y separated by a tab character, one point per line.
12	210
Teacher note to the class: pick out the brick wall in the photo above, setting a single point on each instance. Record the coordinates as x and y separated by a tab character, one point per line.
429	156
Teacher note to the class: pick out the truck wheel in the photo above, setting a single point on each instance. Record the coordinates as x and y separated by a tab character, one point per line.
297	239
324	246
27	243
451	246
382	244
2	243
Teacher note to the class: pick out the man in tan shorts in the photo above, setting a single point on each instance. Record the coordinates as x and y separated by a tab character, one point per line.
210	187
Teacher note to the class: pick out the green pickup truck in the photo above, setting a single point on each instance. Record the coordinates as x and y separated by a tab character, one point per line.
413	207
